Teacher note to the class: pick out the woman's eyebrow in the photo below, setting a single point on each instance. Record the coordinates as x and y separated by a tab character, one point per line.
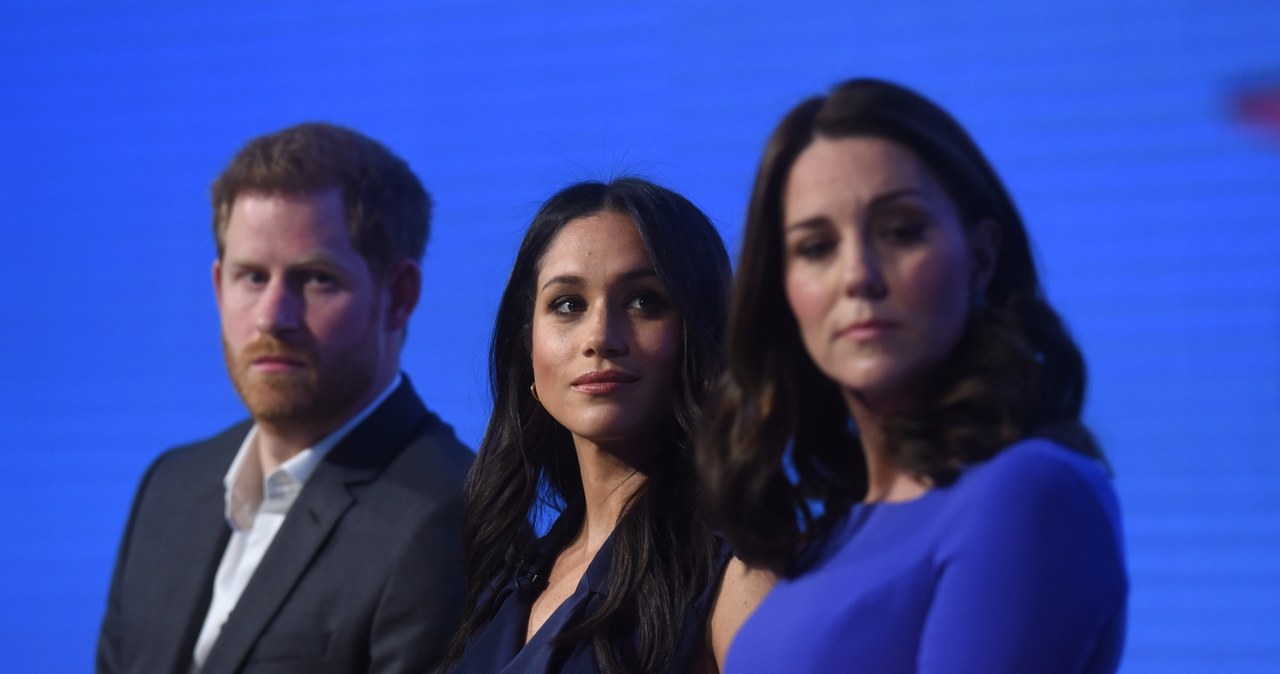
564	279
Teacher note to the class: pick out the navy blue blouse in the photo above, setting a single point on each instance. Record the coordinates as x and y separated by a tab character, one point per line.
500	646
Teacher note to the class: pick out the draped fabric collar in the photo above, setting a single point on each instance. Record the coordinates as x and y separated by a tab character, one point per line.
500	646
546	549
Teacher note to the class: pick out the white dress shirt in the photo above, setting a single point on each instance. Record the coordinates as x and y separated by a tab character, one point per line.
256	507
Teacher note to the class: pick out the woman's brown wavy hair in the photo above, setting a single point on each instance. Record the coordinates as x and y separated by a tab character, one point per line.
779	458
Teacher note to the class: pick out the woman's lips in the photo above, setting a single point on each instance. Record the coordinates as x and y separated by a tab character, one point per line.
603	381
865	331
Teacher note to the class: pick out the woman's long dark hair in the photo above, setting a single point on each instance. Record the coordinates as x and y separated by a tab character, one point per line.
779	460
664	551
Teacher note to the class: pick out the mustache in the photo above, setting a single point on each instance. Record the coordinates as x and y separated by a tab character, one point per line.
267	347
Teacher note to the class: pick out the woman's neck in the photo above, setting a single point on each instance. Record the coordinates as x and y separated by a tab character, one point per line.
886	481
609	479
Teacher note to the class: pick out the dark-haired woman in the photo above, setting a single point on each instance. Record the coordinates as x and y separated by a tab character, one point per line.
607	336
899	433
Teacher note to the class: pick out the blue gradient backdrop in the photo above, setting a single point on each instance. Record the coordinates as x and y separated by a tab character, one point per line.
1153	207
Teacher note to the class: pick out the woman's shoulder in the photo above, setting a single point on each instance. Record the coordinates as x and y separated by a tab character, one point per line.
1036	474
1038	462
1037	514
741	589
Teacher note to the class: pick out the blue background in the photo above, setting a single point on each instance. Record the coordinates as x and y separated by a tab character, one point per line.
1152	203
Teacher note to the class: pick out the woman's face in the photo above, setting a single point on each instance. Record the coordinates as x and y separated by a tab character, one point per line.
606	337
879	270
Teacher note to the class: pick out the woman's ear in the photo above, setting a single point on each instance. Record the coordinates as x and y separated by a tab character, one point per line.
984	248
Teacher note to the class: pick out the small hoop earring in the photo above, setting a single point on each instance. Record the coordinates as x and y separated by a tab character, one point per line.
533	391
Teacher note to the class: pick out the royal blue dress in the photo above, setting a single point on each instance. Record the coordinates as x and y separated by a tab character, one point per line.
500	646
1016	567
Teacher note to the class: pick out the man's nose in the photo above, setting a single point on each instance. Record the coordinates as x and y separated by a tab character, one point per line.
279	309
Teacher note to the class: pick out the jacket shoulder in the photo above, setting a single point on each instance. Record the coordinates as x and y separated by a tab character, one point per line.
433	459
201	455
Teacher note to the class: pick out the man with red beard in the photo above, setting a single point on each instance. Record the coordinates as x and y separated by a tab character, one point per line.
322	534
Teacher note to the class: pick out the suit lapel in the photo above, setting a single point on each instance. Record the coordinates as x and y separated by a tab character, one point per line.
198	536
192	598
357	459
313	516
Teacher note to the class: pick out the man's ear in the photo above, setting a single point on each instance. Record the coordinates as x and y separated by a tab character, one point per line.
217	281
404	287
984	247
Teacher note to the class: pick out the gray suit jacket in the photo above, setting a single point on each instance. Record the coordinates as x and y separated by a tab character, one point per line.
365	574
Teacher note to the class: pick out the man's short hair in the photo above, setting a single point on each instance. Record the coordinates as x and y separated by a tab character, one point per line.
388	211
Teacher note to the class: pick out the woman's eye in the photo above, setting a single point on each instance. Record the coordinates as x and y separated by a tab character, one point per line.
566	305
814	249
649	303
903	233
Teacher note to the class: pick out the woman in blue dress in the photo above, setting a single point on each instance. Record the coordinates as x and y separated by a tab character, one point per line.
899	433
607	337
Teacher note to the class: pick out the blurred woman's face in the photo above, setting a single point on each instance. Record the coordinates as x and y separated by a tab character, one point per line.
879	270
606	336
